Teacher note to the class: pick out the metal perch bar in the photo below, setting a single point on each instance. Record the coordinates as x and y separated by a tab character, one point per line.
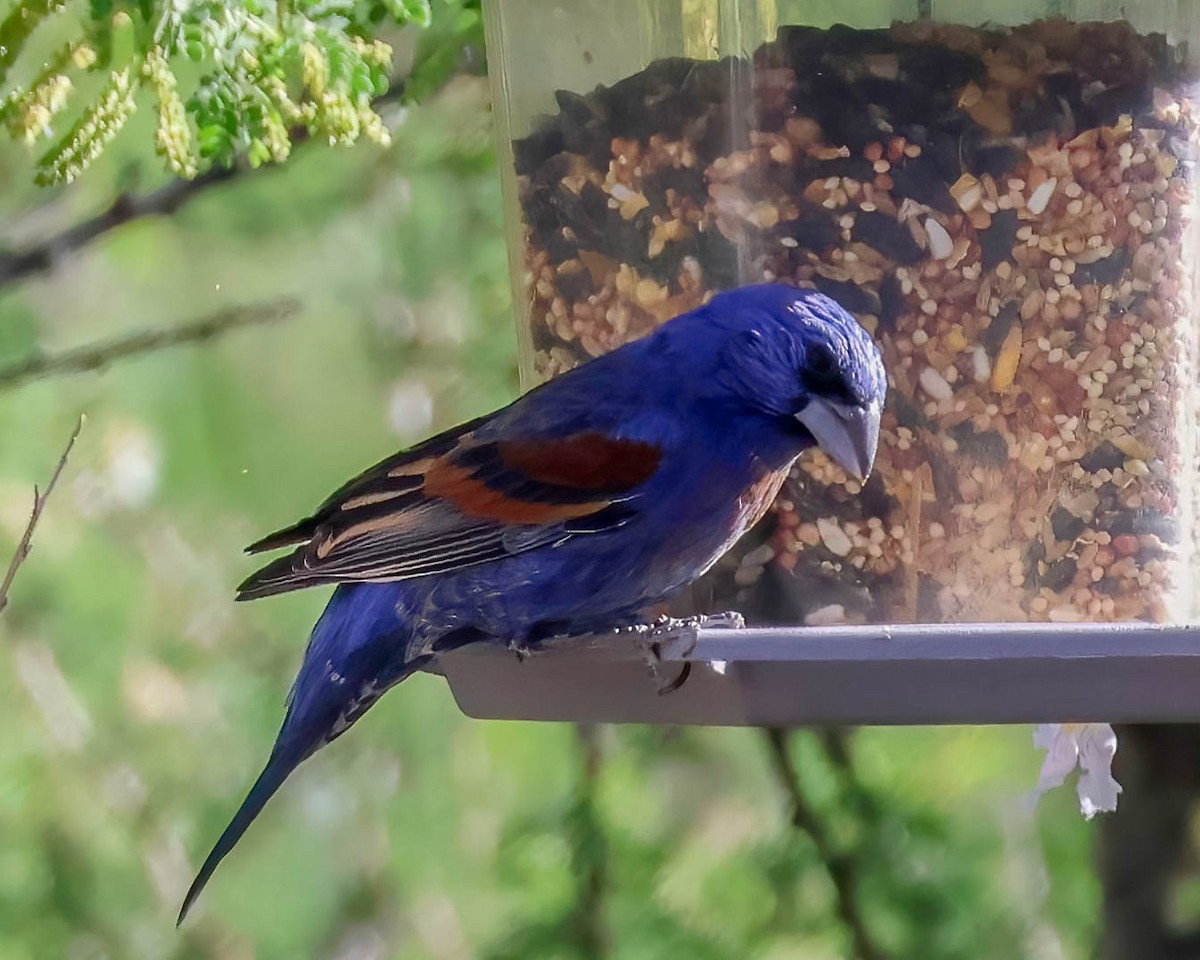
898	675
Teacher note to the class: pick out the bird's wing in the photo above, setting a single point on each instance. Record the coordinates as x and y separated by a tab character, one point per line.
459	500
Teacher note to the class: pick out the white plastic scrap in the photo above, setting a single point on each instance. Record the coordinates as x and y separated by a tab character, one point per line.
1091	747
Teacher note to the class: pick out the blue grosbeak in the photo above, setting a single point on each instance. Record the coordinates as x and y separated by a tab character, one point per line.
568	512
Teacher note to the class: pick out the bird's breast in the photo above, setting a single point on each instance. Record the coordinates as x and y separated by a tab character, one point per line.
718	525
756	499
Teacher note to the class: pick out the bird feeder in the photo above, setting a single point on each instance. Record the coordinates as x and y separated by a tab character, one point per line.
1004	196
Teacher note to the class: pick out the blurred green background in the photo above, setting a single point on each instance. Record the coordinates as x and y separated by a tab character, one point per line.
139	701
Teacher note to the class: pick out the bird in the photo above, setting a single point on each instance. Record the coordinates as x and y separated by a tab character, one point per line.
593	497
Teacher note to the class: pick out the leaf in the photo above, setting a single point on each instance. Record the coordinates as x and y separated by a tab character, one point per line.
361	84
411	11
258	153
214	142
340	60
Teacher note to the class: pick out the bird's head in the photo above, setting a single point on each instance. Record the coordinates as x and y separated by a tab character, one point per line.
796	356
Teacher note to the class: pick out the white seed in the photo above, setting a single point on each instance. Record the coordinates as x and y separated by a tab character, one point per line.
940	244
745	576
826	616
760	556
1065	615
981	365
834	537
1040	198
934	384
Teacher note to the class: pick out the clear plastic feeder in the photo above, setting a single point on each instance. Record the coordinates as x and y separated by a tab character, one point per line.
1003	194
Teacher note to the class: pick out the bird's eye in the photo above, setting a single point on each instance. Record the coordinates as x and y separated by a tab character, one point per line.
824	375
821	363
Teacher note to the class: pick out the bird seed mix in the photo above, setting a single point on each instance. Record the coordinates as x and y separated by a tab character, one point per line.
1008	211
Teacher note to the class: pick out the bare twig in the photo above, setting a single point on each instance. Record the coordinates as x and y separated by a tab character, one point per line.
841	868
95	356
39	504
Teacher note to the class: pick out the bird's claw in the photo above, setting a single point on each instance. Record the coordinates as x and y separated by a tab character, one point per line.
728	620
522	649
651	637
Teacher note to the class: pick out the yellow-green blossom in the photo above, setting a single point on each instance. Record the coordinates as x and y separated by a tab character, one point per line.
173	136
83	56
28	114
102	121
375	53
338	118
373	127
276	137
314	68
277	91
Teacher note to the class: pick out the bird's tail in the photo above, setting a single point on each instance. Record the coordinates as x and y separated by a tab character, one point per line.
278	767
357	651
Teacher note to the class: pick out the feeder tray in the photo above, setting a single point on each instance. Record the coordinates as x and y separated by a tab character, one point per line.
1004	196
857	675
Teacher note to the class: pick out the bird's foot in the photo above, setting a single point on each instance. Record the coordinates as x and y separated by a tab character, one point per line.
651	637
523	648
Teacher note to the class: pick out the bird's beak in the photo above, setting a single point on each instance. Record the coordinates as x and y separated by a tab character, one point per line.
849	435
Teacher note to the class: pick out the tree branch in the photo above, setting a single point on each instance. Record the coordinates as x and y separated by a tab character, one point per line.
43	256
589	854
95	356
39	504
841	868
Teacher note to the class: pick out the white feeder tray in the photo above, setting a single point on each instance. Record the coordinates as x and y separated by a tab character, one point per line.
899	675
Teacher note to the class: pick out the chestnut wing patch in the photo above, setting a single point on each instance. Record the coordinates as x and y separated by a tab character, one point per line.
583	462
435	511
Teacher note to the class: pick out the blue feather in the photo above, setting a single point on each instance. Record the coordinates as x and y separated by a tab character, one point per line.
731	394
271	779
358	650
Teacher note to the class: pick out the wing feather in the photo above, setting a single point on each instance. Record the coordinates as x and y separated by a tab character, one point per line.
457	501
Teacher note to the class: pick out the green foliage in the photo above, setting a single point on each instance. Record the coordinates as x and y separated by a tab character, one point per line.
229	80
